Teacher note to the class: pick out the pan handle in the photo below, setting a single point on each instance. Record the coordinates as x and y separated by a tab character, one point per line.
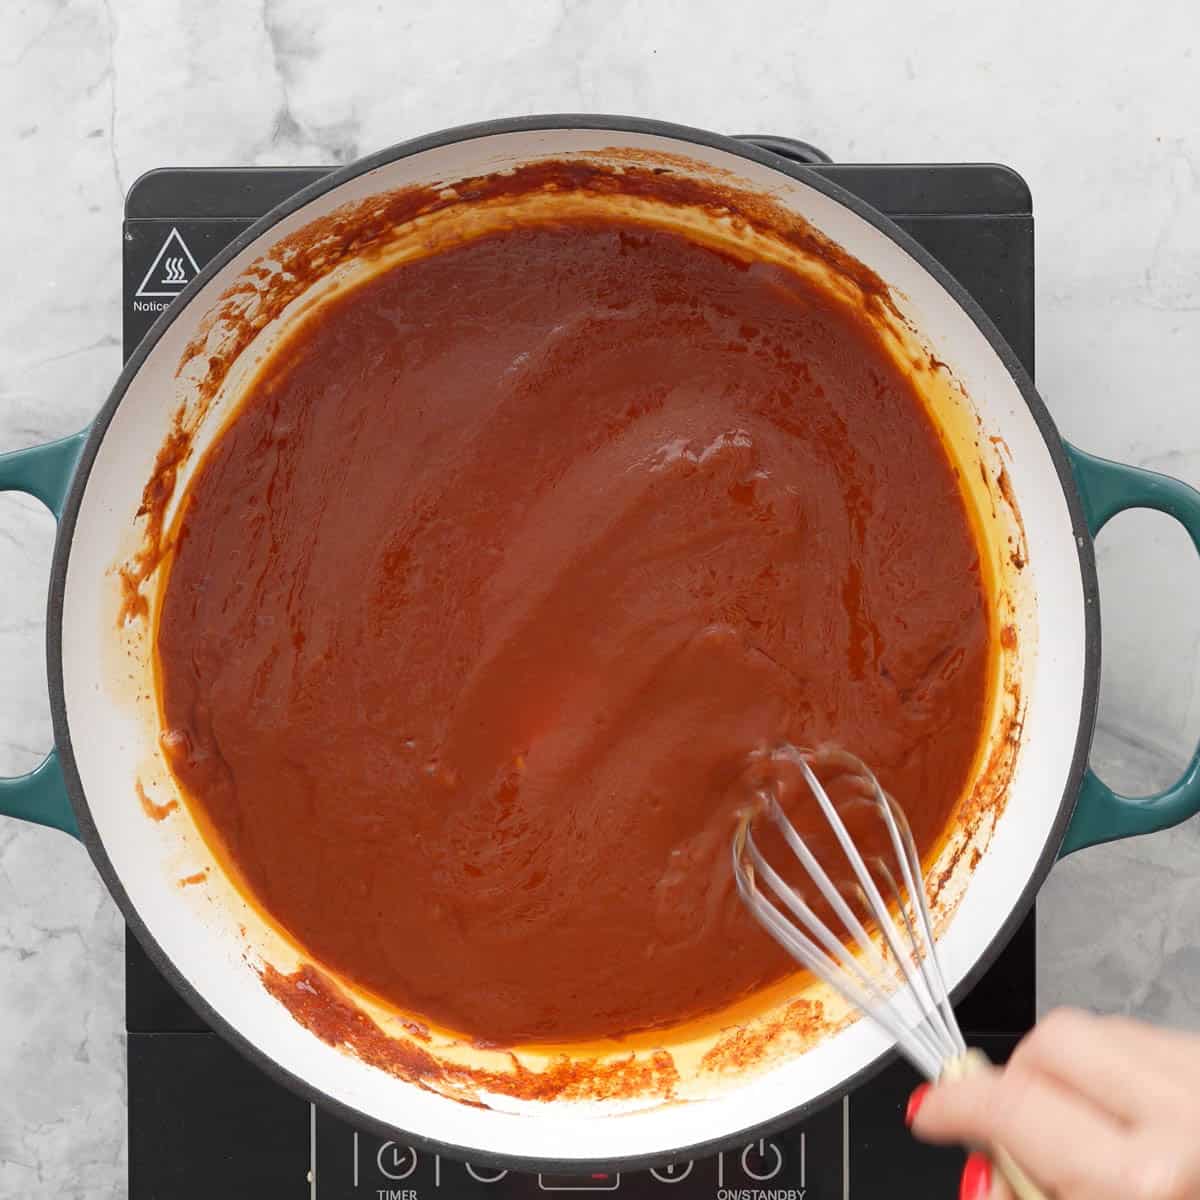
1101	815
787	147
43	472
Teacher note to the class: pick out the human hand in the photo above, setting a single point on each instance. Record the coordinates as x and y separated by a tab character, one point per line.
1093	1108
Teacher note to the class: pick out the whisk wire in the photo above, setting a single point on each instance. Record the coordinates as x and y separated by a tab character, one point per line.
914	1027
905	992
928	998
905	850
855	984
832	945
879	910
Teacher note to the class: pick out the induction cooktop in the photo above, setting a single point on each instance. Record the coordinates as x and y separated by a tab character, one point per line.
205	1123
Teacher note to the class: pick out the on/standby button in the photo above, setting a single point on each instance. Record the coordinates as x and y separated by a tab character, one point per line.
762	1160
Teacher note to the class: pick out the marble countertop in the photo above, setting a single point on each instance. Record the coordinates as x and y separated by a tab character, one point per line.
1097	109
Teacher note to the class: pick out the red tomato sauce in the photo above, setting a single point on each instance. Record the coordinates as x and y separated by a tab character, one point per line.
511	558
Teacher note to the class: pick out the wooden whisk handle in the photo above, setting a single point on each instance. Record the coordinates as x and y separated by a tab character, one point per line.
1022	1186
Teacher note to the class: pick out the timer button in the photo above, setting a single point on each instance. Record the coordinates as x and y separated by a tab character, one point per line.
396	1161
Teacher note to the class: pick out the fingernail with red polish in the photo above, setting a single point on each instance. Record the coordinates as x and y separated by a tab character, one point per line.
976	1178
914	1103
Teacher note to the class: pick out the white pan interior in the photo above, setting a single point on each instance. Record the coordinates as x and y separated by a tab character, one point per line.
110	744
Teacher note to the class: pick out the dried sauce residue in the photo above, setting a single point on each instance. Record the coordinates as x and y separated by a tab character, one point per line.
156	812
192	880
1019	556
976	820
325	1011
363	229
156	496
747	1046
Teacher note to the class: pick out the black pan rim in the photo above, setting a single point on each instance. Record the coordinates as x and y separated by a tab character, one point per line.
617	124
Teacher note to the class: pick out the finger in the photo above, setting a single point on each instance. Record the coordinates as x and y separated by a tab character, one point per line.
1066	1144
1105	1061
1171	1051
981	1180
1000	1189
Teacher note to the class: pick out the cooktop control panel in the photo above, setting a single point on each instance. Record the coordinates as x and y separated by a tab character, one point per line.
801	1162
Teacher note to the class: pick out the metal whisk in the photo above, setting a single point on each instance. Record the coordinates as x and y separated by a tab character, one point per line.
896	980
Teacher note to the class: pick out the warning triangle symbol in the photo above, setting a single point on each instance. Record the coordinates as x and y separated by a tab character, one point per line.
171	271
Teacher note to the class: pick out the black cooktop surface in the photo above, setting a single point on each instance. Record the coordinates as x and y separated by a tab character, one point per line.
205	1123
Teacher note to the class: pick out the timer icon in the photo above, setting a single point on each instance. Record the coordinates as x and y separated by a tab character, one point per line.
395	1161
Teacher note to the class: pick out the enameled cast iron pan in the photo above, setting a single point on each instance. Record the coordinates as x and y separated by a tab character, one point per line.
1049	501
